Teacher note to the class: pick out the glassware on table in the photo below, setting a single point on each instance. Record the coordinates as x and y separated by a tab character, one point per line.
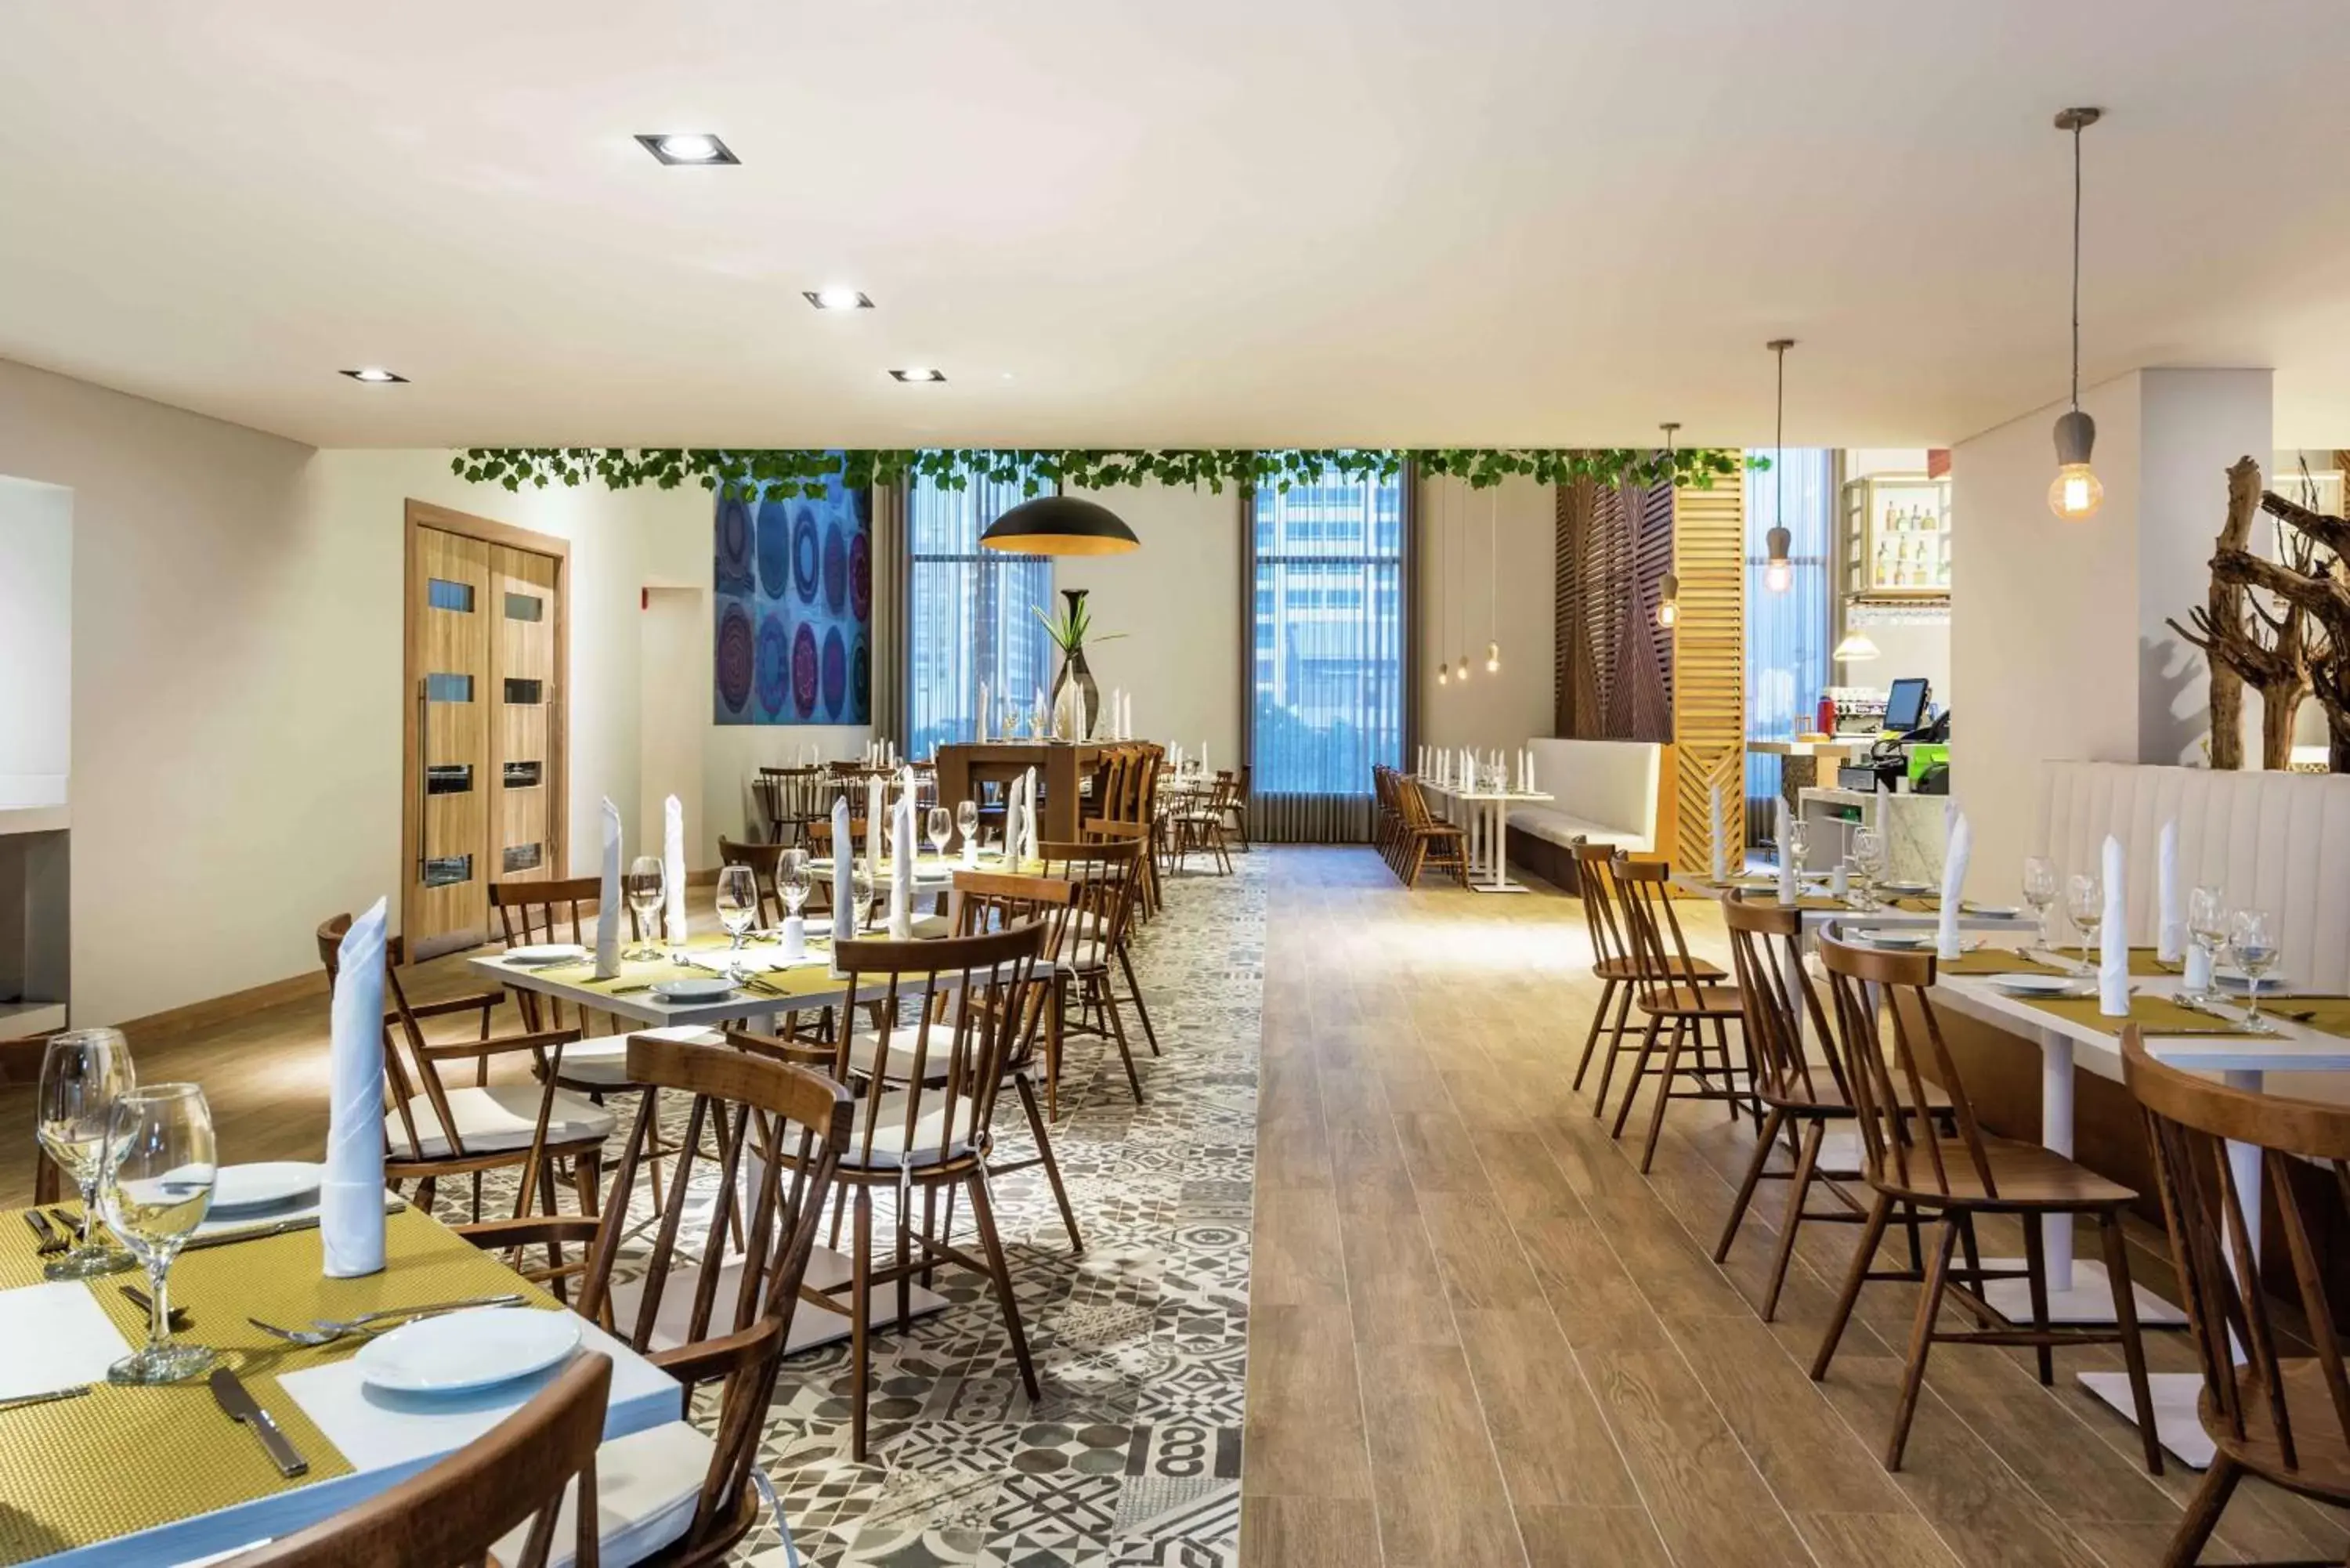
2254	945
644	885
83	1073
793	880
1799	842
738	902
967	821
159	1162
941	829
862	882
2084	905
1869	859
2208	926
2039	888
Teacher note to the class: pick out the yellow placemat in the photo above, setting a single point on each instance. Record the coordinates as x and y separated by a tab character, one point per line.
2327	1014
123	1459
1805	901
1997	961
2154	1014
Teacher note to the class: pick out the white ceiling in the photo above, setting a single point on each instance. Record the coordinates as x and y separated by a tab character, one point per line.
1111	222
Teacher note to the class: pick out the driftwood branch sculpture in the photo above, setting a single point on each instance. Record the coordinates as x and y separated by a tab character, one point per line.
2237	659
2312	585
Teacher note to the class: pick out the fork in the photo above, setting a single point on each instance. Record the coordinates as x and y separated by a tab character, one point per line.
324	1331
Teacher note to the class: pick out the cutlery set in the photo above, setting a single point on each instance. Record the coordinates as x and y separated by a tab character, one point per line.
326	1331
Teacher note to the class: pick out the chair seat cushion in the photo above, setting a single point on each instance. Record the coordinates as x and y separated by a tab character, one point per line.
603	1063
892	1146
499	1118
647	1484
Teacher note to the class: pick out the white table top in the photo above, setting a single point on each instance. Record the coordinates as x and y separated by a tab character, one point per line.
1815	919
643	1007
1459	794
2294	1048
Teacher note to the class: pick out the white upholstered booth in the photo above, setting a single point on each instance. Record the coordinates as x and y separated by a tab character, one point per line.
1604	791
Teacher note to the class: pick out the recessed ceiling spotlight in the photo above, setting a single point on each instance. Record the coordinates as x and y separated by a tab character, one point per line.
918	375
836	298
688	147
375	376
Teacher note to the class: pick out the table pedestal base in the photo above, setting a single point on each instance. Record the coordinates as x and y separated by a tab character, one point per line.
2176	1425
2089	1301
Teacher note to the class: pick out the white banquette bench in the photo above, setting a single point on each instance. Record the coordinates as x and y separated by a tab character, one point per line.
1604	791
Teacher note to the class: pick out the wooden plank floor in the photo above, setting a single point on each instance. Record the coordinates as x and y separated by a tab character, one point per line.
1480	1336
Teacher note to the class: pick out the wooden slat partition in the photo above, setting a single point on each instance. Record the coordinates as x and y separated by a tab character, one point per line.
1709	543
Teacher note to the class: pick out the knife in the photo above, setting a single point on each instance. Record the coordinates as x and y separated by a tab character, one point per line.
283	1228
230	1393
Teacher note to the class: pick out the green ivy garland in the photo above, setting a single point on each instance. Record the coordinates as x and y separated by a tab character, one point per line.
751	473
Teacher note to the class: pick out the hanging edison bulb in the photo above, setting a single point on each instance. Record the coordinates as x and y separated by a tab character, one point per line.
1444	674
1492	657
1778	570
1668	601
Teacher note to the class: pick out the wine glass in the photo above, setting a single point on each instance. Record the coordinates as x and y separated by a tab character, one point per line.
1868	858
792	880
83	1073
159	1165
862	881
2252	942
1799	842
2208	925
940	825
2084	905
967	821
644	886
738	902
2040	891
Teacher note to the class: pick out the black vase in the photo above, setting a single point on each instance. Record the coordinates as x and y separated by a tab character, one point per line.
1073	664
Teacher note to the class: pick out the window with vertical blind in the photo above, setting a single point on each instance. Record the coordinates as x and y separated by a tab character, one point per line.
1786	633
969	614
1327	650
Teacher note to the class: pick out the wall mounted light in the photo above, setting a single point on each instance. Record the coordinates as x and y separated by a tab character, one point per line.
2074	494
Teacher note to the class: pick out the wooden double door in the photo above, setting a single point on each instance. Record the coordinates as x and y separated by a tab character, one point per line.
484	733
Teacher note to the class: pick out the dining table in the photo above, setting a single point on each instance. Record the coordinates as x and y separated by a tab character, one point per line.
1484	817
120	1477
2072	1037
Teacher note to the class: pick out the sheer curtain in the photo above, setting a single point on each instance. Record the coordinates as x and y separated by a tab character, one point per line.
968	616
1326	657
1786	633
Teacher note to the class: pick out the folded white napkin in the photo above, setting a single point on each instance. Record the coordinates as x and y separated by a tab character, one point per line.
1720	842
608	897
2171	935
350	1188
1028	816
877	820
1954	883
672	871
75	1341
844	852
983	713
902	867
1011	819
2112	938
1786	861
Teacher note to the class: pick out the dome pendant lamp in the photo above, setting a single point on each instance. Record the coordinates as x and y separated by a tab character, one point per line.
2076	494
1669	590
1778	570
1059	525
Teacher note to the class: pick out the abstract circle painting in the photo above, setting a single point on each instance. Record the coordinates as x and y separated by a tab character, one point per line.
836	674
806	552
775	549
737	573
774	667
860	578
804	672
735	658
836	570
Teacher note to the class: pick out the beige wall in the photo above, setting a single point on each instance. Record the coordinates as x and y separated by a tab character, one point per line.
1458	585
1178	600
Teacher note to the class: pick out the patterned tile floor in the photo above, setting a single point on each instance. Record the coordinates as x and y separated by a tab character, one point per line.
1131	1456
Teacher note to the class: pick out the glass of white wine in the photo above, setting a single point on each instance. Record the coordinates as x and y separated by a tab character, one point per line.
2040	888
738	901
159	1162
967	821
83	1073
2253	943
941	829
645	886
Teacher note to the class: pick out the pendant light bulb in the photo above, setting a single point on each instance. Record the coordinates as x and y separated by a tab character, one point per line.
1464	667
1444	674
2076	494
1778	569
1669	600
1492	657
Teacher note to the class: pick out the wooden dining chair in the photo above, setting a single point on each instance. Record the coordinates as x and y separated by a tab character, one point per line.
1951	1177
436	1130
1804	1093
763	860
1137	899
509	1481
1682	1004
1615	963
679	1496
952	1010
1085	958
1426	841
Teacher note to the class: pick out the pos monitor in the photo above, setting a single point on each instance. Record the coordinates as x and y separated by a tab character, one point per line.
1904	708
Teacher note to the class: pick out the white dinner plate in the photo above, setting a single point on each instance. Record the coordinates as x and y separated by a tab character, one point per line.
255	1186
2040	984
1896	938
1995	911
715	989
463	1350
1904	889
546	952
2234	980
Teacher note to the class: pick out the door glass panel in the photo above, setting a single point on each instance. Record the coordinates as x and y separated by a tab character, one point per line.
523	856
522	775
447	870
525	607
525	692
442	594
449	689
448	778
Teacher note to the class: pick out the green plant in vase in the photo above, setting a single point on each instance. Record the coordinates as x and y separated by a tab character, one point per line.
1070	630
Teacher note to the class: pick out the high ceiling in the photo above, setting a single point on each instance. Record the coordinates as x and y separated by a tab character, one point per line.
1277	221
